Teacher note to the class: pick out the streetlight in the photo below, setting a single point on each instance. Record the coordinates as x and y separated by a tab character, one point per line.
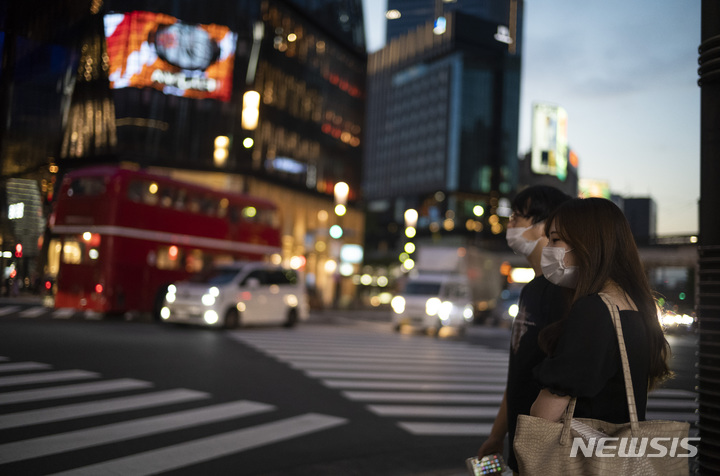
341	192
411	218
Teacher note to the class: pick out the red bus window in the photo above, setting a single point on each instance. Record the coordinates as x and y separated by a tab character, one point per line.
73	251
194	261
193	204
180	199
150	193
166	197
169	257
223	208
86	187
134	191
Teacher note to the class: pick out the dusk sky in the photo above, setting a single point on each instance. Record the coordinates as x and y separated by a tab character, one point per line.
626	73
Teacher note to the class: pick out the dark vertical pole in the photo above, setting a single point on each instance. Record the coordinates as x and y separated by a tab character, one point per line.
708	306
7	74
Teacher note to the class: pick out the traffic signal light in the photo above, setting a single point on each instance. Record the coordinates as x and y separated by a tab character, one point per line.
18	250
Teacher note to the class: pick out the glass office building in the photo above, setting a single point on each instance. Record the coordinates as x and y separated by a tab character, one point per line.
442	131
407	15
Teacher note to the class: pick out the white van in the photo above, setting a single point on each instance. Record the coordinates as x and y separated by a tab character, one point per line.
243	293
431	302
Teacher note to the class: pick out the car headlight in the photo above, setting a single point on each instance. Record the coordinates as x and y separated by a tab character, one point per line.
165	313
171	289
513	310
291	300
398	304
213	291
445	310
432	306
208	299
211	317
468	312
170	297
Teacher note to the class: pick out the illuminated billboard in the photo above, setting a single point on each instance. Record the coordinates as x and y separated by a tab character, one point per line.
154	50
593	188
549	154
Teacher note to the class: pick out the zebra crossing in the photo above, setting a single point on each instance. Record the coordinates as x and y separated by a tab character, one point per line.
44	403
427	387
44	312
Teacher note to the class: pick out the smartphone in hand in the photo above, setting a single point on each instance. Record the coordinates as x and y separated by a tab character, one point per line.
490	464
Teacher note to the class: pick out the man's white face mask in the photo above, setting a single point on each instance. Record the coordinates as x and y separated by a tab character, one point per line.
518	243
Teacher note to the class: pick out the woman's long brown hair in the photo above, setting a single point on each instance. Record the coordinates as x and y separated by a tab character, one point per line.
604	249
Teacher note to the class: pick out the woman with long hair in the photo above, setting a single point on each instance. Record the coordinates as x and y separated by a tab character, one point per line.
591	251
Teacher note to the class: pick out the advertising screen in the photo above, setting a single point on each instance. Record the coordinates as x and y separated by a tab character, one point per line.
593	188
158	51
549	141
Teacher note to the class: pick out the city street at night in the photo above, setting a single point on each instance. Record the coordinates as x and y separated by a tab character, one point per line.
340	394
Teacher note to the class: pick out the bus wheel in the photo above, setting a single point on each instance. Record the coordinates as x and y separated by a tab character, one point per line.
292	318
232	319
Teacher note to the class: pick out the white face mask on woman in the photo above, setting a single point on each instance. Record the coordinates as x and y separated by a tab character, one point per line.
553	266
518	243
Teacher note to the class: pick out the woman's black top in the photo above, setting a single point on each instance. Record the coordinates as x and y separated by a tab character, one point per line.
586	362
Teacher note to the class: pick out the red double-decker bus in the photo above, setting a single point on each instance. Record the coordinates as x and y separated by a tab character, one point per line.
120	236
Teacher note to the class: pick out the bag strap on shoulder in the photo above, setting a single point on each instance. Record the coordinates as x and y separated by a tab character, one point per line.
629	392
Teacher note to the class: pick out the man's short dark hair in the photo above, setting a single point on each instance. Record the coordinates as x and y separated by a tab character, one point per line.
538	201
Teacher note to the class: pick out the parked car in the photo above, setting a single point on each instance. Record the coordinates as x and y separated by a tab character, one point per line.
431	302
244	293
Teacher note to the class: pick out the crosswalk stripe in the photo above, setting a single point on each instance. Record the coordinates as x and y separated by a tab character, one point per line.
294	343
47	377
206	449
33	312
447	429
446	397
93	315
4	311
16	366
438	377
672	393
366	349
666	403
691	417
396	358
397	368
80	389
417	386
64	313
74	440
102	407
434	411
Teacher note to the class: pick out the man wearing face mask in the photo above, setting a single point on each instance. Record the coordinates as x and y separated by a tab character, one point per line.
541	303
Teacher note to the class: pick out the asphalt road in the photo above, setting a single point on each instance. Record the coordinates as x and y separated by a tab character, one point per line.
342	394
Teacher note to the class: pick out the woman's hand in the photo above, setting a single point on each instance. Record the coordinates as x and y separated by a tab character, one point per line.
491	446
549	406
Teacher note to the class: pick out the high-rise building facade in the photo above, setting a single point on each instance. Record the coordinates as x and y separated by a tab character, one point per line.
442	130
344	17
407	15
642	216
